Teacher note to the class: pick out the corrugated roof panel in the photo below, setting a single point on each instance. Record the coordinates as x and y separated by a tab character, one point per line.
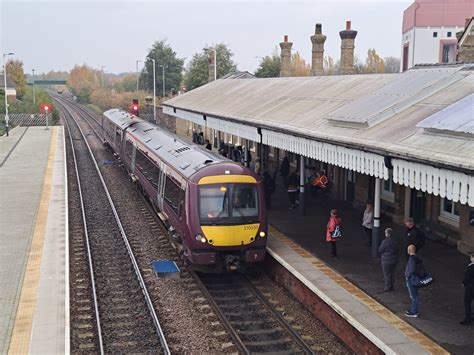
456	118
404	91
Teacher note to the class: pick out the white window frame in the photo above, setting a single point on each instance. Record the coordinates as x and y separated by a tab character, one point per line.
448	217
388	195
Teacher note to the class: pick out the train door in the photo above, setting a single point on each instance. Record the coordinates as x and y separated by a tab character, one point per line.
161	186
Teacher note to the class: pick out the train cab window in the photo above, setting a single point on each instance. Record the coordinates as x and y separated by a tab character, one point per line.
228	204
172	193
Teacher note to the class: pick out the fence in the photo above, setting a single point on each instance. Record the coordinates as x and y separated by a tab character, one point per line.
26	119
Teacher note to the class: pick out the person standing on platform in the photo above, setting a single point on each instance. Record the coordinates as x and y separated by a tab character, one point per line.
285	171
368	222
269	186
468	291
389	257
292	190
333	224
258	166
208	145
411	272
414	236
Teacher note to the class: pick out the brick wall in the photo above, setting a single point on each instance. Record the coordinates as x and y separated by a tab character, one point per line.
321	310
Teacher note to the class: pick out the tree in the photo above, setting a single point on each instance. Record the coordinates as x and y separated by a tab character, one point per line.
269	67
126	83
392	65
329	66
197	69
374	63
16	74
299	67
82	81
163	55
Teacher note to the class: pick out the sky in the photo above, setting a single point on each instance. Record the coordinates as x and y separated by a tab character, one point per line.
56	35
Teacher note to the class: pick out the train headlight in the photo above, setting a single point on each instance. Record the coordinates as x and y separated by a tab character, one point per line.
262	234
200	238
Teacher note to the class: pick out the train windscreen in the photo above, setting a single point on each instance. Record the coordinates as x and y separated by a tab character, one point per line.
228	204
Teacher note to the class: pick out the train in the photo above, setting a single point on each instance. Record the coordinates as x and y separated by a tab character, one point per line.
213	208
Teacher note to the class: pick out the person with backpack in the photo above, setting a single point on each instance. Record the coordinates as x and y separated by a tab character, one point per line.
333	231
410	275
414	235
468	283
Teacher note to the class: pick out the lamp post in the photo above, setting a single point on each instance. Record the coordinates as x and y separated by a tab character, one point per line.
138	61
102	71
5	83
34	94
154	89
164	86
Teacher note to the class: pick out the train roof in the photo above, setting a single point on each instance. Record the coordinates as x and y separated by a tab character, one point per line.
185	157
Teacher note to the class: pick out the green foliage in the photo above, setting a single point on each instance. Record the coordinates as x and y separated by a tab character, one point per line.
82	81
163	55
16	74
126	84
198	72
269	67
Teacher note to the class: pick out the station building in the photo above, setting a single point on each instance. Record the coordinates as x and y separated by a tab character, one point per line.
429	31
405	141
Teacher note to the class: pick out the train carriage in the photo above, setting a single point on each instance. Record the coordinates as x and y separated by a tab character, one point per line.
214	208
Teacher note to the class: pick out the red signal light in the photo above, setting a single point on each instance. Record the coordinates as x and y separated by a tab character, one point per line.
135	107
46	108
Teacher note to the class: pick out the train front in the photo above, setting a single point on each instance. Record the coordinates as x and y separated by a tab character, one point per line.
228	218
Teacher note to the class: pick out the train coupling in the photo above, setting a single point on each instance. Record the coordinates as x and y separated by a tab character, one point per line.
232	263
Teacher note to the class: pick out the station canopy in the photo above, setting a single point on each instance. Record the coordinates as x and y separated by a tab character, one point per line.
351	121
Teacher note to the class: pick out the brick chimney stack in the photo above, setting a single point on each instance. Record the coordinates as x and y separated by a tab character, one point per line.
317	40
347	49
285	62
210	64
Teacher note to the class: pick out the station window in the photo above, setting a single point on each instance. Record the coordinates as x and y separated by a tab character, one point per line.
449	212
388	193
449	34
172	194
435	34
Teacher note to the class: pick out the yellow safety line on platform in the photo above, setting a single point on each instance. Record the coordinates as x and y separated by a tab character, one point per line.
407	329
21	334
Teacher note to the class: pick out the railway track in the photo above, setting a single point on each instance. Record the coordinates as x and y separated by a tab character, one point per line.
110	301
249	319
254	325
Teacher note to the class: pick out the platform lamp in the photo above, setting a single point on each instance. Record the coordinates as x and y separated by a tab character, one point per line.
5	83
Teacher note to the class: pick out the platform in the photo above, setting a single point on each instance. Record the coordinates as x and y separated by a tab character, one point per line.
34	302
352	284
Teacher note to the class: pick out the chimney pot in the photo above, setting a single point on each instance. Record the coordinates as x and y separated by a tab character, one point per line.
285	38
348	25
318	28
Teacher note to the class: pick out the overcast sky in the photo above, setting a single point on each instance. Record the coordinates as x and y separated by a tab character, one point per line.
56	35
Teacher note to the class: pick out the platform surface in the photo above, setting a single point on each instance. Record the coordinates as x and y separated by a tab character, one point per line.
34	303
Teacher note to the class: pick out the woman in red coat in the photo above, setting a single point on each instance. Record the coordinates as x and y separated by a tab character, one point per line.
334	221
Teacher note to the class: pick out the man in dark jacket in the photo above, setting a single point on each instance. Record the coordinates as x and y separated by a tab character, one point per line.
411	272
389	257
413	235
468	291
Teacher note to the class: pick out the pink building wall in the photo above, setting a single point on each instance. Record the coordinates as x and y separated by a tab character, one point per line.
437	13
